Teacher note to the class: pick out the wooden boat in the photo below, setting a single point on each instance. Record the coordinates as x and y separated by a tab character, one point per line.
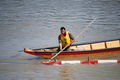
77	50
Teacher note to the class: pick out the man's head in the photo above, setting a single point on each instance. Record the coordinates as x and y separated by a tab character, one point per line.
63	30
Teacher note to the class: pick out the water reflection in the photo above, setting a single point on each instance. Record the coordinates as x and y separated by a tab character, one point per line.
66	73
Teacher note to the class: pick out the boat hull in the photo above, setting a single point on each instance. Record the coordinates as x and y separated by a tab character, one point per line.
81	51
79	54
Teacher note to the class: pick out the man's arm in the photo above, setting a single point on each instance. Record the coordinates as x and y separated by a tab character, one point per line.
71	36
60	44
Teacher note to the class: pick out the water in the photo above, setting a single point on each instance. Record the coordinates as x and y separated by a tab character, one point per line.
35	24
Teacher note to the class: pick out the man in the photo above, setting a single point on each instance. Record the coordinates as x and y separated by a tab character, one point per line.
65	38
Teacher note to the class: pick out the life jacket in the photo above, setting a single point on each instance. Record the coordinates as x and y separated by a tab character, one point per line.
65	39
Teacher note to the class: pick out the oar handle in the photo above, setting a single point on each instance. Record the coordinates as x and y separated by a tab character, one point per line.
86	27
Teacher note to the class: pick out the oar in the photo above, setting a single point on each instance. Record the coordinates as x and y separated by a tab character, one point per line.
86	27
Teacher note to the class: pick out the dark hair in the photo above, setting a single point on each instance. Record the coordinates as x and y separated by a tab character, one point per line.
62	28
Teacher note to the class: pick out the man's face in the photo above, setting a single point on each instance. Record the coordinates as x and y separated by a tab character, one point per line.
63	31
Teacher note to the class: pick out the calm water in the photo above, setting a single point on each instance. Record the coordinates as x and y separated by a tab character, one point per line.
35	24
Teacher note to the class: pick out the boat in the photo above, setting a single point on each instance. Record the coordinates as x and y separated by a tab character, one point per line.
106	47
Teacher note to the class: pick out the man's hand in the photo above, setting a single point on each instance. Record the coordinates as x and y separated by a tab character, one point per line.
60	46
72	41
